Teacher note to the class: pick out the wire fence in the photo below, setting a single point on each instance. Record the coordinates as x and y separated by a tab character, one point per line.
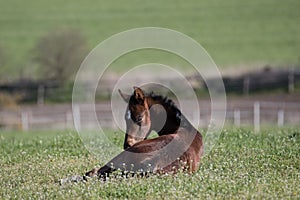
61	116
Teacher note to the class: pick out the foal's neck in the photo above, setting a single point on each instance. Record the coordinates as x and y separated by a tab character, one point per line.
171	119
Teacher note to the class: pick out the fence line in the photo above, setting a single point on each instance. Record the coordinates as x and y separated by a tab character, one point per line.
239	113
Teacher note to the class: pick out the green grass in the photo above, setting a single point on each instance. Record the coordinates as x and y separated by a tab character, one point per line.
234	32
243	165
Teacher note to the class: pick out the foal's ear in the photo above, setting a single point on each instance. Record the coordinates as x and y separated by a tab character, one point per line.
125	97
139	94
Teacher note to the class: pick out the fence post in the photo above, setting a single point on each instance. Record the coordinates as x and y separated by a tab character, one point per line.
280	116
25	121
237	117
76	117
256	116
68	120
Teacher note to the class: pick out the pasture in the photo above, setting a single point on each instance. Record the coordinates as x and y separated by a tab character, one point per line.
244	165
235	33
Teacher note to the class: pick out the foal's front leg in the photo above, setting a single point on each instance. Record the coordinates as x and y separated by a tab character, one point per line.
92	173
101	173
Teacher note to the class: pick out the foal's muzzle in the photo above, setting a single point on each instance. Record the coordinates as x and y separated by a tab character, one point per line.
130	141
126	145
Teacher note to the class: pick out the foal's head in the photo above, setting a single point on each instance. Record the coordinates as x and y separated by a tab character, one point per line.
137	117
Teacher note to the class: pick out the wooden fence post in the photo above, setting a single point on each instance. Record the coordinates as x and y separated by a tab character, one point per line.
25	121
237	117
68	120
280	116
76	117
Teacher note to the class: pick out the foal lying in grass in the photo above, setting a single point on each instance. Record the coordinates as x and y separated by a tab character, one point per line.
179	145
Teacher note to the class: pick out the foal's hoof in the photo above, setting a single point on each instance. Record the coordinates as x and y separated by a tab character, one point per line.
72	179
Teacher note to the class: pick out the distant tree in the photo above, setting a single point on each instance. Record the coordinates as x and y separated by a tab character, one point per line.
60	53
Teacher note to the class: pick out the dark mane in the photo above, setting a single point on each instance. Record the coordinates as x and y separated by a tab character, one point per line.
164	101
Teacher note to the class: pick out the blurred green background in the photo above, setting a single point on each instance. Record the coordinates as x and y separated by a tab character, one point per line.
237	34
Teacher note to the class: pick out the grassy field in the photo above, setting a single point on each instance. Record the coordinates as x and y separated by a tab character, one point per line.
234	32
243	165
